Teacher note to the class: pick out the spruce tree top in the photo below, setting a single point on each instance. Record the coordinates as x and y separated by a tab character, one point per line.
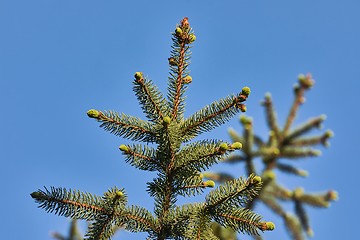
177	160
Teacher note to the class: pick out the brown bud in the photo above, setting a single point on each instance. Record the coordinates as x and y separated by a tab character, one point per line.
185	22
172	61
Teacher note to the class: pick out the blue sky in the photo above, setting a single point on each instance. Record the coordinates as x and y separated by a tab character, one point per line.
60	58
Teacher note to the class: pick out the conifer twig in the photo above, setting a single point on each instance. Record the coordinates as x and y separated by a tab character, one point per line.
176	162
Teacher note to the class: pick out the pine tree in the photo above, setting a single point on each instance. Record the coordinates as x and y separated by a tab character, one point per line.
283	143
177	159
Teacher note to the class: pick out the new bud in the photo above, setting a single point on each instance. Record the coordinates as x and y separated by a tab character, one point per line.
92	113
172	61
187	79
256	180
242	107
270	226
37	195
329	134
178	31
236	145
223	147
332	195
245	120
306	81
301	77
209	183
245	91
138	75
124	148
192	38
167	120
185	22
119	194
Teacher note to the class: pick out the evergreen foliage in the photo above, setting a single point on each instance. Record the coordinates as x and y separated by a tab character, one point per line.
282	144
177	162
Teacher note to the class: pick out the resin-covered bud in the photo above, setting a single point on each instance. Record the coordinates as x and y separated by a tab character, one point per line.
124	148
178	31
92	113
138	75
119	194
187	79
167	120
209	183
256	180
172	61
192	38
245	91
223	147
268	226
236	145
